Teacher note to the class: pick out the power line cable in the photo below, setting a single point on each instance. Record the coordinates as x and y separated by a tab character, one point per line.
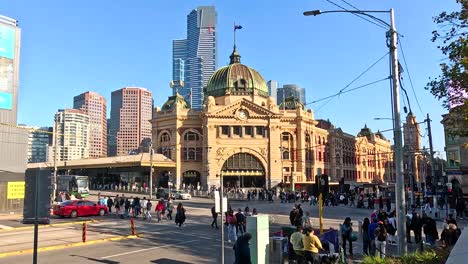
409	76
360	16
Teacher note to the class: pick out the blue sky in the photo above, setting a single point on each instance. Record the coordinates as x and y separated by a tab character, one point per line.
69	47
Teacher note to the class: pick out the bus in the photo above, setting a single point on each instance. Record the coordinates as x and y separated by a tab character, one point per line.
73	184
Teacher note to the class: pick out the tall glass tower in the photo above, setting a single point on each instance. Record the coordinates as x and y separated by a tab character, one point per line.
195	58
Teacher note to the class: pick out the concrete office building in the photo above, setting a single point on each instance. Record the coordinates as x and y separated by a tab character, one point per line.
39	141
291	90
130	127
95	106
13	140
195	58
71	137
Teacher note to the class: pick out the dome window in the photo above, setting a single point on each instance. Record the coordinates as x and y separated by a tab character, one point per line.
240	85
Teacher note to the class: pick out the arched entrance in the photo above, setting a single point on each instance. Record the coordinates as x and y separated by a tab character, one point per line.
243	170
191	178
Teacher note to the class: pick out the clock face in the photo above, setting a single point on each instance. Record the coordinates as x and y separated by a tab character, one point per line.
242	114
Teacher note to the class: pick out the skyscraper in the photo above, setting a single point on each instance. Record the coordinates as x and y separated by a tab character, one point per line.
39	141
272	88
72	131
130	127
95	106
195	58
290	90
13	140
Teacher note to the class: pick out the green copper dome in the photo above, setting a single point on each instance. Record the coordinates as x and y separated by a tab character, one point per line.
291	103
236	79
175	100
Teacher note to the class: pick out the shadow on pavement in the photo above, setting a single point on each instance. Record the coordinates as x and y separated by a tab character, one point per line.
168	261
106	261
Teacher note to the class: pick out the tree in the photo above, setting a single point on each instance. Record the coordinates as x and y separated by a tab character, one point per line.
451	86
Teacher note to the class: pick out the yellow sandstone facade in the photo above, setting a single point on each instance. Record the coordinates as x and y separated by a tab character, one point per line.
243	136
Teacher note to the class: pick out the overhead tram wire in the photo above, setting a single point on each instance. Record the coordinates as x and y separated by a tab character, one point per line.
360	16
409	76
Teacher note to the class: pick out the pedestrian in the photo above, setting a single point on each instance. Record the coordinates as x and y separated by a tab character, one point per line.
430	229
305	220
247	211
254	211
143	203
170	208
149	205
416	224
391	229
450	236
380	238
180	215
389	204
346	231
232	225
242	250
240	217
312	245
293	215
127	207
110	203
297	241
460	207
214	214
381	203
365	236
371	232
159	208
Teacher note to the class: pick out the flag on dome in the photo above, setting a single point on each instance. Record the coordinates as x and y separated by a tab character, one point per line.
237	27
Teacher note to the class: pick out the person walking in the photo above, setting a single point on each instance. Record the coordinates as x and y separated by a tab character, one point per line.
149	205
312	245
110	204
297	239
365	236
460	207
389	204
214	214
170	208
380	239
232	224
242	250
381	203
430	229
159	208
180	215
416	223
240	217
143	203
392	229
346	231
305	220
371	232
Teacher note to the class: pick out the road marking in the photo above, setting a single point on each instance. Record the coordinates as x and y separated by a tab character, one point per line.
76	244
4	227
141	250
50	225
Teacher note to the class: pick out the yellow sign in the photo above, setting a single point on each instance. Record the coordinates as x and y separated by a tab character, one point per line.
15	190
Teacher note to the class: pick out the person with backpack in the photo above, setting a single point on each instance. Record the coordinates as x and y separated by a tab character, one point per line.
159	208
110	204
346	231
149	205
391	229
240	218
380	239
371	232
180	215
232	224
170	208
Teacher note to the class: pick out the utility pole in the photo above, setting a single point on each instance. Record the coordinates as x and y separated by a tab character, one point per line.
221	201
435	180
54	144
151	170
397	138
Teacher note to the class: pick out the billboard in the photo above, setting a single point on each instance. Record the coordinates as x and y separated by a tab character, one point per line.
7	54
7	42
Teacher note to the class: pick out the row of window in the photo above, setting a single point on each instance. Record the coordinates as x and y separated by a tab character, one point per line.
243	131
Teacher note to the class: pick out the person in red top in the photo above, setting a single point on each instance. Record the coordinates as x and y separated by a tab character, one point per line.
159	209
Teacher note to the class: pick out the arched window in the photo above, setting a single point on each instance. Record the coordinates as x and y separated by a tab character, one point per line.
240	85
165	137
191	136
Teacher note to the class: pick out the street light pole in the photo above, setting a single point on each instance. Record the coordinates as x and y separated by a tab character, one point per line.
397	134
151	170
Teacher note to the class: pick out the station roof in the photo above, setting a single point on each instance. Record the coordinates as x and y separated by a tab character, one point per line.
139	160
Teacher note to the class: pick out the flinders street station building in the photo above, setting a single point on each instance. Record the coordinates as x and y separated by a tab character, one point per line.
243	137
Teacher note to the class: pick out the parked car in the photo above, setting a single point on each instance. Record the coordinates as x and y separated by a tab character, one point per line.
164	193
182	195
75	208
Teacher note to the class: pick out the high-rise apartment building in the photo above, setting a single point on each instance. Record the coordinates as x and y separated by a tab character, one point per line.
272	88
39	141
130	127
72	134
13	140
290	90
95	106
195	58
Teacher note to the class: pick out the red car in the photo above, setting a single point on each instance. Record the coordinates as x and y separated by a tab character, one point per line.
74	208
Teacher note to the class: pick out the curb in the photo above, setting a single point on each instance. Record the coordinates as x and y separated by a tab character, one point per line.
49	225
75	244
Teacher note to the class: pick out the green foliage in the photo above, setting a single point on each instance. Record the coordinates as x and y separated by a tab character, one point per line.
426	257
451	86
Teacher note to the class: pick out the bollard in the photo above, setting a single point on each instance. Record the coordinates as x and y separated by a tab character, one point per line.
132	226
83	235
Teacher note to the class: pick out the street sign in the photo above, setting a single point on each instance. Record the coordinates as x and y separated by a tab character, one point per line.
218	204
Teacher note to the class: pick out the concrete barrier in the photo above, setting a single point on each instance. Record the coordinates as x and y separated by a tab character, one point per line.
459	252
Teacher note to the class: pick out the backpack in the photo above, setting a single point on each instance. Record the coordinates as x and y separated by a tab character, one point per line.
381	234
148	206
